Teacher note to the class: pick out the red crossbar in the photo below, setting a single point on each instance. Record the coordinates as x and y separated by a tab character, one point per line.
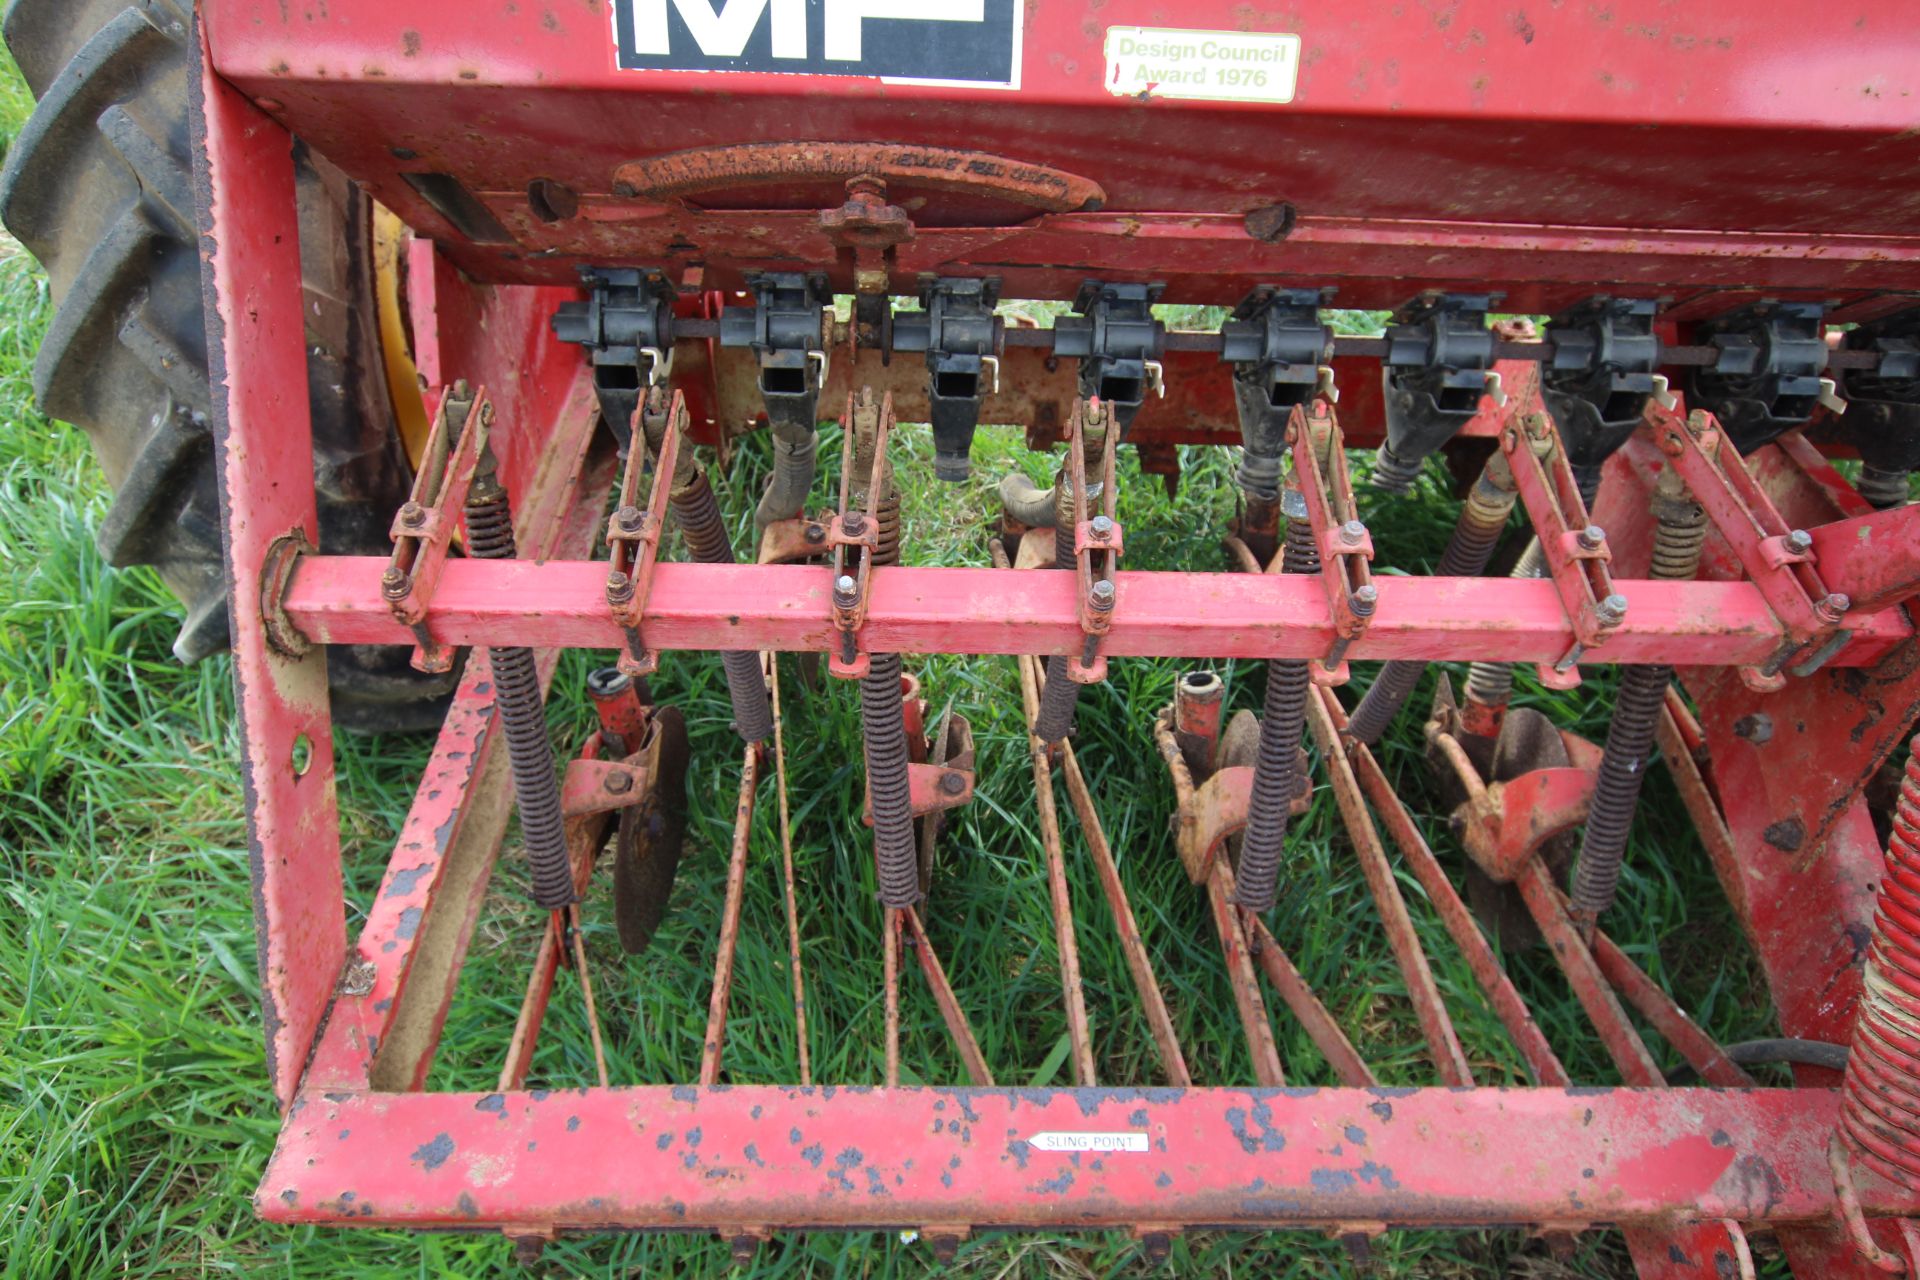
336	600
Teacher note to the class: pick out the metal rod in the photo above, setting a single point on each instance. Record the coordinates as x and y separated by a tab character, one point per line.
950	1011
716	1040
786	874
586	988
1240	973
1701	805
1702	1052
1321	1026
890	963
1435	1024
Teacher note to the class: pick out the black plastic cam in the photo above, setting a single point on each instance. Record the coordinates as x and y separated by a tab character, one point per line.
1766	380
1439	353
1277	345
626	323
1605	356
1115	338
787	329
960	334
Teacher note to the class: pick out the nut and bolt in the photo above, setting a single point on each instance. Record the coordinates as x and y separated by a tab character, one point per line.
1833	607
816	534
1102	596
618	783
629	518
1364	601
1101	528
952	784
1353	533
855	524
412	514
1611	610
1798	541
394	583
1592	538
1756	728
846	591
619	587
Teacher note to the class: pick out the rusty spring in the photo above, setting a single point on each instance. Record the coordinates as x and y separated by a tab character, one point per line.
1677	539
1061	696
1490	684
883	718
1282	721
698	512
1482	518
516	684
1880	1096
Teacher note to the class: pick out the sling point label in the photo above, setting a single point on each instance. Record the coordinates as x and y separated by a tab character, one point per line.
1054	1141
1225	66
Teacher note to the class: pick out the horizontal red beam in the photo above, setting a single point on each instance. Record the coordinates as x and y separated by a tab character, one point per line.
336	600
764	1156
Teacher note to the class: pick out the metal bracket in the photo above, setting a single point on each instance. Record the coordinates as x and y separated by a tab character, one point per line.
1575	551
601	786
283	557
1118	343
859	529
1345	546
1780	561
424	526
633	536
1098	542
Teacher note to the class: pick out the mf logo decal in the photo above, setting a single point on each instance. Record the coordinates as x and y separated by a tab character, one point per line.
973	42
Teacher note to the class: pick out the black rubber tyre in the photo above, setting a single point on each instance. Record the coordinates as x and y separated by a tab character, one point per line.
98	187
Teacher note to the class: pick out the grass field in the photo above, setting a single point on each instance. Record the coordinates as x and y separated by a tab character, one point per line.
134	1117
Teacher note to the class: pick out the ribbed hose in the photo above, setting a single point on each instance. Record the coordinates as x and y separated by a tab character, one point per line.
1880	1096
1391	475
1282	721
1882	488
1678	537
1025	502
1490	684
1482	517
698	512
794	455
516	690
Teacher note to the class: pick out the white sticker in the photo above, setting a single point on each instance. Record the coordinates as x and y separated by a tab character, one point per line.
1088	1142
1226	66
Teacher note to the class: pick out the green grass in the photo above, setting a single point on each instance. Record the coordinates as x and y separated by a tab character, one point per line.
134	1115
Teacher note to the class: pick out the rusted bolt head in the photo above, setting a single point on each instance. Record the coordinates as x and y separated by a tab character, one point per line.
1833	607
1353	532
1612	610
1756	728
629	518
1592	537
1156	1245
1102	596
816	534
1364	601
412	513
945	1248
619	783
1799	541
1101	527
619	587
952	783
855	523
394	582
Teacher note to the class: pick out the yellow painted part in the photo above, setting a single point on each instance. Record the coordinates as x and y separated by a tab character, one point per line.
390	239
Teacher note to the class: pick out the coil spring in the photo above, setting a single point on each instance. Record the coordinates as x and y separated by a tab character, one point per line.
1276	768
1467	553
1677	539
1880	1096
883	720
516	687
1062	695
1490	684
1882	488
698	512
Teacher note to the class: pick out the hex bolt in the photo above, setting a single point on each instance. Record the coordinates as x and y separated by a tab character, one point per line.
1756	728
846	591
629	518
952	783
619	588
1592	538
1102	596
1833	607
1799	541
855	524
394	583
1364	601
1353	533
619	783
1611	611
1101	528
816	534
412	514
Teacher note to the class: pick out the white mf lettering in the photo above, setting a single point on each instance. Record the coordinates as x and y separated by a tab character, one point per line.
722	27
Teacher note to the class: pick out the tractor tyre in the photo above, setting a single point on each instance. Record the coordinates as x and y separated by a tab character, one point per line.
98	186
